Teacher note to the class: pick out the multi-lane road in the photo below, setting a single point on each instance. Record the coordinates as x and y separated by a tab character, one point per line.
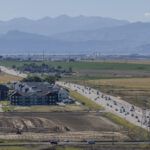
12	72
113	104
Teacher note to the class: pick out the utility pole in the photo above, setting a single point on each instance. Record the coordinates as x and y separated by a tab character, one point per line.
43	56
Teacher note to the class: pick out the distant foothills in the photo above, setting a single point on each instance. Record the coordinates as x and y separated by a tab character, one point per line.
81	34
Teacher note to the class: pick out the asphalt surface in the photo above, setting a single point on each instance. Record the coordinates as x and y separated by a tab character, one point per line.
113	104
12	72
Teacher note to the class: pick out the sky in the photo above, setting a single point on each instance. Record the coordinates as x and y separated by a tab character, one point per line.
132	10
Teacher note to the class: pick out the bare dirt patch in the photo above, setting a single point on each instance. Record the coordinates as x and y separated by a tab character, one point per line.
64	120
69	126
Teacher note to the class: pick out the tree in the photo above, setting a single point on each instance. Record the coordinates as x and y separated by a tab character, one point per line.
13	66
59	67
50	79
32	79
70	69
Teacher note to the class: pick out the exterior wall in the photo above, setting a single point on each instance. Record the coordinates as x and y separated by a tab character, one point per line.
36	94
3	94
34	100
63	94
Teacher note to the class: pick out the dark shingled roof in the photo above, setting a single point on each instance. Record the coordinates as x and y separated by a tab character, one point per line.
3	87
38	89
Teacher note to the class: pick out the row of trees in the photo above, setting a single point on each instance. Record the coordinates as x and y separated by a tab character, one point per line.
49	79
42	68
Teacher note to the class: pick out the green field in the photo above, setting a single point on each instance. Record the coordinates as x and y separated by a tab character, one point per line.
86	65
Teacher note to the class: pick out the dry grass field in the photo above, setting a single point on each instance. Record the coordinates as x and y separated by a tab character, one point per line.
132	83
4	78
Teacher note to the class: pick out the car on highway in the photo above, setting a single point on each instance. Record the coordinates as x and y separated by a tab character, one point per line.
54	142
91	142
115	103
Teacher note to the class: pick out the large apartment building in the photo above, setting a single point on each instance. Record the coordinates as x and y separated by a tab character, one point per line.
36	93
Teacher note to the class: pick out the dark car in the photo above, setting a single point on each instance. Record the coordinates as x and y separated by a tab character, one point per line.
91	142
54	142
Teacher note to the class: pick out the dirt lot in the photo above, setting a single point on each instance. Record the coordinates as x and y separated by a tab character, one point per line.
72	126
74	121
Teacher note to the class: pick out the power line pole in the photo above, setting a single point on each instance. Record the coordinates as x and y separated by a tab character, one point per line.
43	56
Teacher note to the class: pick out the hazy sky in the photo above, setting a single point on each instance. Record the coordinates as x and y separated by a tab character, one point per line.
133	10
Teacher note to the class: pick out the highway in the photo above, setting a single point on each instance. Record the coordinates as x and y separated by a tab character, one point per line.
113	104
12	72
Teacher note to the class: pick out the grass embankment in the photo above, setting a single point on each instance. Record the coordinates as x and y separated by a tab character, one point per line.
85	101
134	132
6	107
49	108
10	108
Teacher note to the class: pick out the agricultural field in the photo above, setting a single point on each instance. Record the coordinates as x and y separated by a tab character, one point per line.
85	65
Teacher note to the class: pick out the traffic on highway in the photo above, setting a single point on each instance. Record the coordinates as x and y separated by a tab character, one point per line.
115	105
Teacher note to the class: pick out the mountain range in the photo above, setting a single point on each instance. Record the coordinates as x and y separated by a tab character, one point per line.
65	34
49	26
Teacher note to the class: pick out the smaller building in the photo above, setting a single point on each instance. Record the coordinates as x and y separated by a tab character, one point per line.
63	94
3	92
